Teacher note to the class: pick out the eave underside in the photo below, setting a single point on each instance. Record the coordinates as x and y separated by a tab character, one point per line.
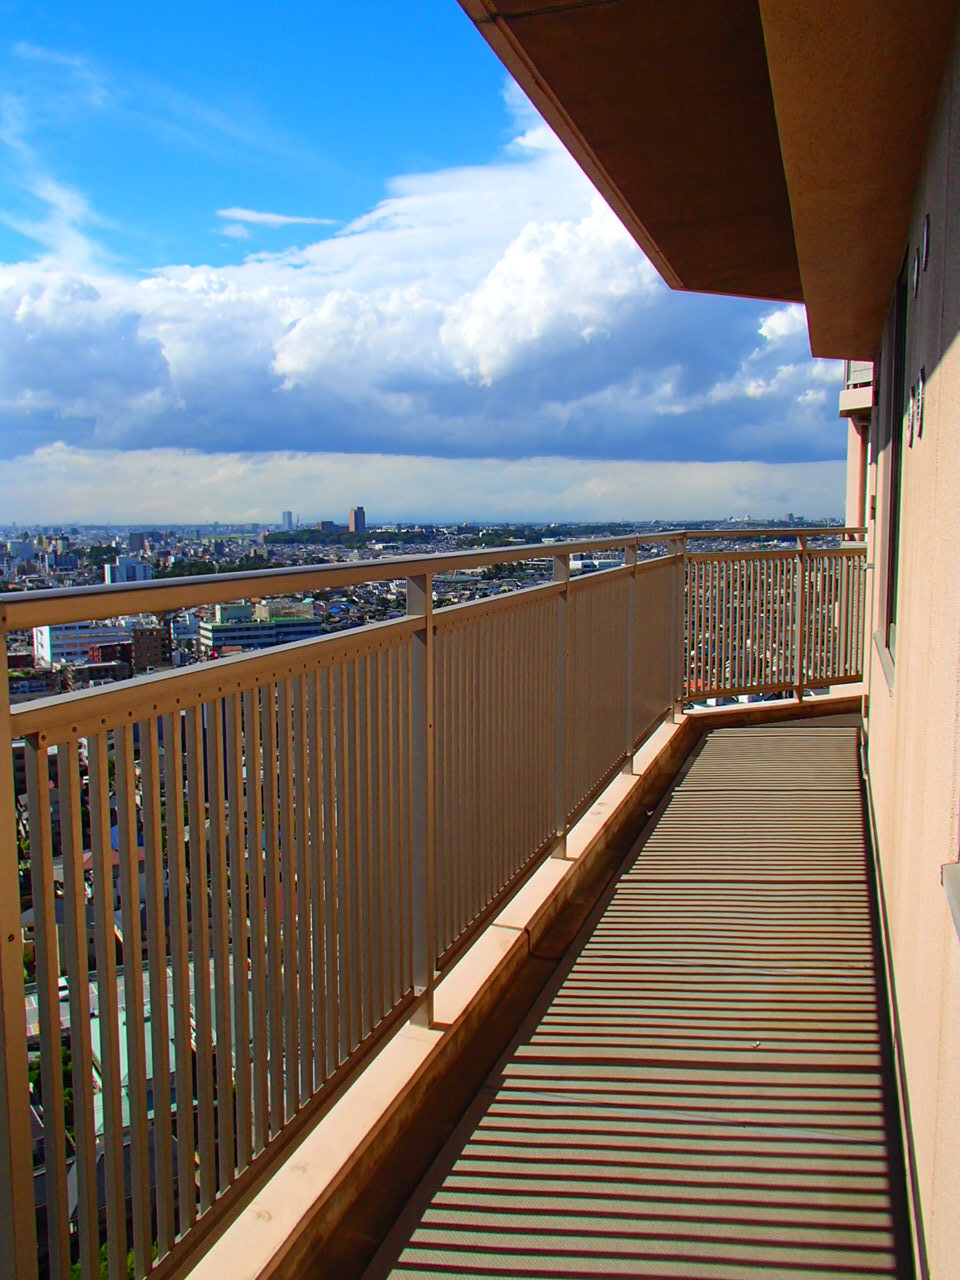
751	148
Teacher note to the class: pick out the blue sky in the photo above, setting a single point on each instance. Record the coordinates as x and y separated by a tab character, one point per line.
321	255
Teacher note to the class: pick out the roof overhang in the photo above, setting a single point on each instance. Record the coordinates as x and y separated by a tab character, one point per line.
752	147
854	85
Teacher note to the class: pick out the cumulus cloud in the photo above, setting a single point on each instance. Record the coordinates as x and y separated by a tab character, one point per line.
496	310
174	486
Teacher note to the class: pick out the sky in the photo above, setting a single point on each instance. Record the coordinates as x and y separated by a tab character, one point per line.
320	255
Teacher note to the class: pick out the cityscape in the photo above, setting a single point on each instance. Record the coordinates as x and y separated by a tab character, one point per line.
50	660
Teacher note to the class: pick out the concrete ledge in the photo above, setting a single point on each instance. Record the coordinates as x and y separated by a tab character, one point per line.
316	1185
844	699
855	400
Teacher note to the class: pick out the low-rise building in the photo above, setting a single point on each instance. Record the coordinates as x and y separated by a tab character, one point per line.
240	628
71	641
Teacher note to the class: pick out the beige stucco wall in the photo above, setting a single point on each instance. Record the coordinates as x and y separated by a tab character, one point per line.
914	704
854	513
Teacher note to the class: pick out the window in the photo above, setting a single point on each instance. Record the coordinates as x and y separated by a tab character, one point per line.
895	404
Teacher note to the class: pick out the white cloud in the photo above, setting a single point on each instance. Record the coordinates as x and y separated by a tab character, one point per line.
495	309
784	323
556	284
165	485
262	219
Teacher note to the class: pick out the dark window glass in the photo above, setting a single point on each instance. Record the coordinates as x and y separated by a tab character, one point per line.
895	407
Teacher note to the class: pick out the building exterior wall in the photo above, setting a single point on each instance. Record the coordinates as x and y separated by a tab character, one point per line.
127	569
257	634
913	712
71	641
857	443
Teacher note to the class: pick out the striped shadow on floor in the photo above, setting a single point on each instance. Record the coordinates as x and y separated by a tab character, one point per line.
704	1089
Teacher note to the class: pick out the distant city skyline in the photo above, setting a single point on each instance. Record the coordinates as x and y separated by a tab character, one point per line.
230	288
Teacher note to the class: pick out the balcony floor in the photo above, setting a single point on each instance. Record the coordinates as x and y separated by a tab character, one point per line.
704	1089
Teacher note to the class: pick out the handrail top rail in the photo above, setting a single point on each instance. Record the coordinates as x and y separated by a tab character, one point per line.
21	610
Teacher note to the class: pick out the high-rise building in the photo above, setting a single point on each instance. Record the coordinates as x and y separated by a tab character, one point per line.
287	520
358	520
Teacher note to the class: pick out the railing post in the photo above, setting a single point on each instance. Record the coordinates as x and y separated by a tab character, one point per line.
678	606
630	562
18	1229
801	605
422	812
561	574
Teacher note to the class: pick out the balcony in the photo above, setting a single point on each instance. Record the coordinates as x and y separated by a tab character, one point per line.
253	875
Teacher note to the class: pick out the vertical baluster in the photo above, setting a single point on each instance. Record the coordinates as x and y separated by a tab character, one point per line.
471	717
458	787
174	795
108	1015
746	585
78	979
422	807
365	902
302	860
485	719
163	1114
18	1256
696	639
219	903
388	689
713	678
129	858
774	607
316	869
271	821
386	900
288	891
398	712
237	872
258	942
355	820
200	949
330	858
780	600
516	854
405	727
561	574
495	804
48	999
344	870
706	570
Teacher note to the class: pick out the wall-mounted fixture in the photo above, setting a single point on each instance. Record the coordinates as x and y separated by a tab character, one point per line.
921	384
925	242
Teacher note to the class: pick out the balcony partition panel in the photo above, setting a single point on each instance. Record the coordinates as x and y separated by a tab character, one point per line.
834	616
773	621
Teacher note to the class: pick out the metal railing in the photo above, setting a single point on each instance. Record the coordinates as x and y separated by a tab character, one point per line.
765	622
243	873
